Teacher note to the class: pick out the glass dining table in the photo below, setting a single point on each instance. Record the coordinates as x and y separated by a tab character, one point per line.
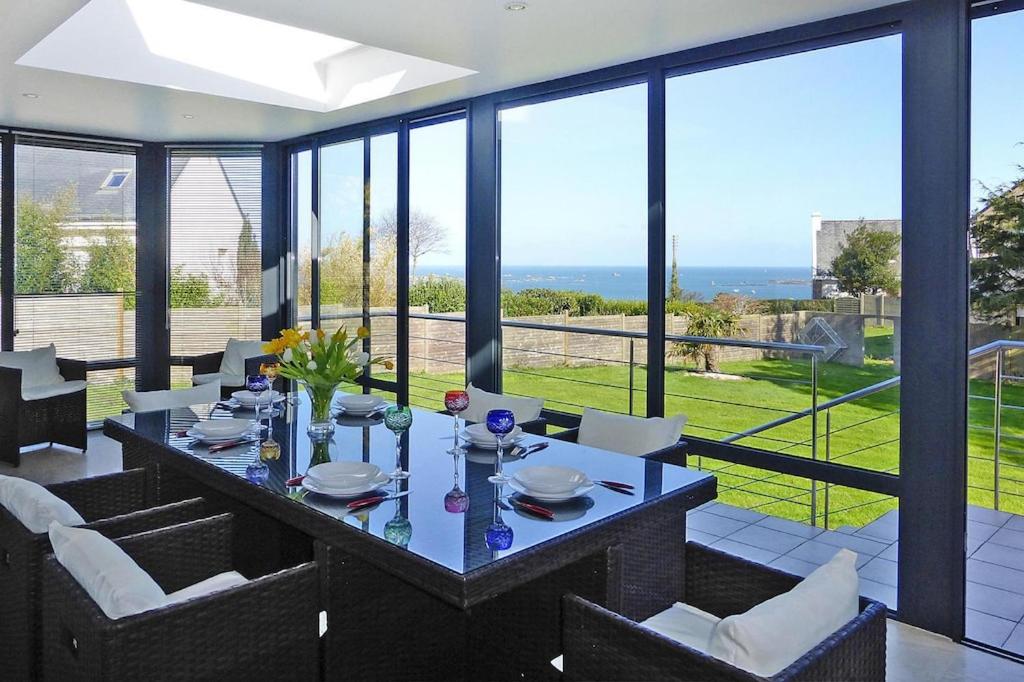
453	578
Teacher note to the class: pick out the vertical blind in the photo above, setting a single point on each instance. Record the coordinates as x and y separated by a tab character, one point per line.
75	260
215	237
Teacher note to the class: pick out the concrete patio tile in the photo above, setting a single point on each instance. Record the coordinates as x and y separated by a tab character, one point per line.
880	571
885	528
794	566
892	552
819	553
701	537
1015	642
792	527
766	538
715	525
980	531
995	602
757	554
995	575
989	516
705	506
737	513
1008	538
1000	554
1016	523
879	592
857	544
988	629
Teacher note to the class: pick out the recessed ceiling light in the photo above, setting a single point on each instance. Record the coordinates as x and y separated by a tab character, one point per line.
30	95
515	6
188	116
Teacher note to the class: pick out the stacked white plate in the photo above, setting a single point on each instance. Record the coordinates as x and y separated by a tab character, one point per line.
358	404
249	399
478	436
344	479
220	430
551	483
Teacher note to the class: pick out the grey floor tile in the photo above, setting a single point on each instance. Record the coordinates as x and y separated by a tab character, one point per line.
885	528
857	544
766	538
989	516
706	506
701	537
791	527
736	513
1008	538
757	554
892	552
819	553
995	575
1015	642
988	629
1016	523
980	531
721	526
995	602
1000	554
794	566
879	592
880	571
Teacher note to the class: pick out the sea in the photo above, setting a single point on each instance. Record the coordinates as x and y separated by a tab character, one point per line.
630	282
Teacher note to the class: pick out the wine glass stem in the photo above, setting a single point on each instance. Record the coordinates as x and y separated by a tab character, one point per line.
398	451
501	453
456	447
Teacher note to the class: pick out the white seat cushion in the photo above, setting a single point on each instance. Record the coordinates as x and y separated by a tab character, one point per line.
775	633
481	402
235	355
685	624
233	380
63	388
151	401
35	506
628	435
112	578
38	366
217	583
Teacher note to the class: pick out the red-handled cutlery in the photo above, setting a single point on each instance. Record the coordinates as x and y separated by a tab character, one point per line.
615	488
542	512
297	480
615	484
228	445
371	501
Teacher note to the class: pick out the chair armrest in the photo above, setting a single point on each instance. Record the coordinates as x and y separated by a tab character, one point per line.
153	518
101	497
673	454
208	363
185	554
601	645
725	584
537	427
10	383
855	651
73	370
569	435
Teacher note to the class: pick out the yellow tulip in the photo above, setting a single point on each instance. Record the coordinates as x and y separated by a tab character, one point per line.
362	332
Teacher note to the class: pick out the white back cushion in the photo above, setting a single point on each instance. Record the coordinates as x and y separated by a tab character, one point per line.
481	402
112	578
777	632
35	506
151	401
628	435
38	366
684	623
217	583
235	354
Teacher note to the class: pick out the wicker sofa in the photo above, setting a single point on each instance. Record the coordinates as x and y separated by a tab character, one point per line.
209	363
56	419
602	645
265	629
114	505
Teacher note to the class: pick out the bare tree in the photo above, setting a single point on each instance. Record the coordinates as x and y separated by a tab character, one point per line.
426	235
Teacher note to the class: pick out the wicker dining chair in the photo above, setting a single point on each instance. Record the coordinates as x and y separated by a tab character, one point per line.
673	454
56	419
209	363
113	505
602	645
265	629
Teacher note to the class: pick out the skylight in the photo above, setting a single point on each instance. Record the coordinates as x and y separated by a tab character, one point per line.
190	46
115	179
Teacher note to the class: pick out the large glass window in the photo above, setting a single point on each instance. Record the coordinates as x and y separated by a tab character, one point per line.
574	249
302	227
215	241
75	261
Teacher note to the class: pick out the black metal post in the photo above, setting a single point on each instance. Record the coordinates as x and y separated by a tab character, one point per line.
152	311
367	251
402	302
7	232
274	239
314	237
656	242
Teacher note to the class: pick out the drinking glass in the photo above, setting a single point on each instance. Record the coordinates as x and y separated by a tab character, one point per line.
398	419
271	370
498	535
500	423
456	501
456	402
258	384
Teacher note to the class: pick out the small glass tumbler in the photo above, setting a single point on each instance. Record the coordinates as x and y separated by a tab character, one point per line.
500	423
456	402
398	419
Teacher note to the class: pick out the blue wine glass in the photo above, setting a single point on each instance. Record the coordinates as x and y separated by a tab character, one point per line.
257	384
500	423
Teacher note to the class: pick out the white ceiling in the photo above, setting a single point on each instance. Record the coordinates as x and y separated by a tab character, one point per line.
552	38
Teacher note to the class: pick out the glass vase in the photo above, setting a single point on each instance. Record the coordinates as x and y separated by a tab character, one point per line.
321	424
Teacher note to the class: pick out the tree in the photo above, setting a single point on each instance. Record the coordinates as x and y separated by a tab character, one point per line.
997	273
865	263
675	292
710	323
111	266
189	290
426	235
44	264
248	269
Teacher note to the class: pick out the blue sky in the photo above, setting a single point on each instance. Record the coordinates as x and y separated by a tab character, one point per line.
753	151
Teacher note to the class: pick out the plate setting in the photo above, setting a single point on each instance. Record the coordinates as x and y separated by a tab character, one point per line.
344	479
551	483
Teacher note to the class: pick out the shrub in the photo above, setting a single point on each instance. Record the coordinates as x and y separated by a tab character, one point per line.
439	294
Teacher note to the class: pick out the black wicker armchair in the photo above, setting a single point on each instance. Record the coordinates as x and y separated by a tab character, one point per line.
266	629
209	363
114	505
56	419
673	454
602	645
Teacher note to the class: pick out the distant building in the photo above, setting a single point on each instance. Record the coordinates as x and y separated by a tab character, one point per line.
827	240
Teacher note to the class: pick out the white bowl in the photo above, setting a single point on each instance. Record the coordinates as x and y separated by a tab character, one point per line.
343	475
223	428
478	433
359	403
551	480
249	399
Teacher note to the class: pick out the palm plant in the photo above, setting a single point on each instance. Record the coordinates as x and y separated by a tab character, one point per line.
709	323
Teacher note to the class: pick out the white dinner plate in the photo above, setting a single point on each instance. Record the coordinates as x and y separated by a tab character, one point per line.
551	480
562	497
247	399
513	439
223	428
378	483
210	440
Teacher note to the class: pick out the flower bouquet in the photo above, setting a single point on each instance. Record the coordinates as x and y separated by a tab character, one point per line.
321	362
